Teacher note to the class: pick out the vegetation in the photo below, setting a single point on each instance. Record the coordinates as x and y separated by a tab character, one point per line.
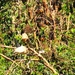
49	28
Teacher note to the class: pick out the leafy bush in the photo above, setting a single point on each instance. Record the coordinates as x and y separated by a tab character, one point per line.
50	29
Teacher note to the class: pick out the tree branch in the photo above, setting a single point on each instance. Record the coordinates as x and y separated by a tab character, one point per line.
10	60
33	50
45	61
4	46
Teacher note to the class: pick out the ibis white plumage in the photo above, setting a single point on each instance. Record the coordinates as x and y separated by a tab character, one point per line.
21	49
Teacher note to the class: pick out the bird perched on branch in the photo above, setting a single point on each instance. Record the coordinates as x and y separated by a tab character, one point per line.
21	49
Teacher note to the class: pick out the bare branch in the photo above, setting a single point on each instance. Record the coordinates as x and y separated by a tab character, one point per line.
10	60
33	50
4	46
10	69
45	61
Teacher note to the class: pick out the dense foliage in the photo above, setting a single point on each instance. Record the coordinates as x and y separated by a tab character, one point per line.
50	26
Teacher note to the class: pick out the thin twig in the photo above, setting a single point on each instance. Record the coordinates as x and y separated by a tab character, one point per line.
35	39
39	55
10	69
45	61
26	59
3	9
10	59
4	46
